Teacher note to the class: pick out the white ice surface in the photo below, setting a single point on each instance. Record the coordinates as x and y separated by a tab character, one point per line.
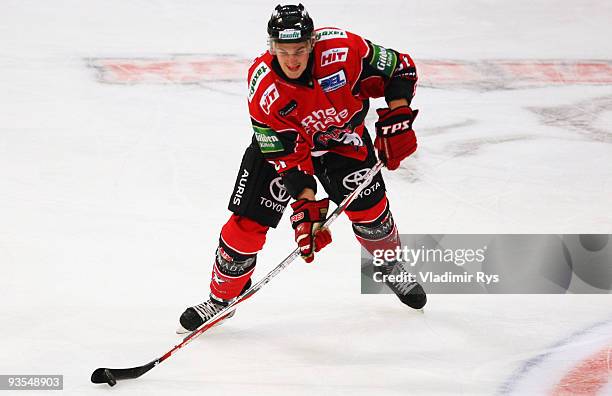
111	200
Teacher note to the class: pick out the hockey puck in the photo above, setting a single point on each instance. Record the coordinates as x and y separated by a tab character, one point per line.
103	376
110	378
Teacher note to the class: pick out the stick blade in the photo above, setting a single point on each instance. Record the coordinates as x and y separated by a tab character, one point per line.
111	376
103	376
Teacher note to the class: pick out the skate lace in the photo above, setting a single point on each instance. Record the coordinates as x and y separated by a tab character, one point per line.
405	287
402	287
208	309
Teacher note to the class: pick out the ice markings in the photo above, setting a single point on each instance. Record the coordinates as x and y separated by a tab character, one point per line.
472	146
479	75
579	117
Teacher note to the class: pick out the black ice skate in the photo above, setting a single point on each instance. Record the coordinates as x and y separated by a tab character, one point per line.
410	293
196	316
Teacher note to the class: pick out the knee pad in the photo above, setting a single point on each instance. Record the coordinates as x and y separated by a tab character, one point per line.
231	272
243	235
369	215
231	263
240	240
381	233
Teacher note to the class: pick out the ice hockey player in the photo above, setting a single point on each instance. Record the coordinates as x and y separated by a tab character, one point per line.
308	98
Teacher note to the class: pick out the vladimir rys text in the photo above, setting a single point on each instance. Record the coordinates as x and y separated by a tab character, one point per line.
430	277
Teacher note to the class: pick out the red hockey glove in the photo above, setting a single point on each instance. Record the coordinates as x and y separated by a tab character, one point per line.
306	221
395	139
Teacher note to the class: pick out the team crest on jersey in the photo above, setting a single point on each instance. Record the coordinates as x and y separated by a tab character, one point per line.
334	55
260	72
345	136
328	34
333	81
269	96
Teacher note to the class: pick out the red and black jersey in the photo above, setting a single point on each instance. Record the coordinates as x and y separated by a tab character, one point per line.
324	110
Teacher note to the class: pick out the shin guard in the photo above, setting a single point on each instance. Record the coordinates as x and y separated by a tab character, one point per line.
378	233
235	258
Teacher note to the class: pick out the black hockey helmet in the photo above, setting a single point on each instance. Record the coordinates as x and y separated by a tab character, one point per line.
290	24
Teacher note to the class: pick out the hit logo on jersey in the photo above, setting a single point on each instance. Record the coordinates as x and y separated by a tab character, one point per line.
333	55
269	96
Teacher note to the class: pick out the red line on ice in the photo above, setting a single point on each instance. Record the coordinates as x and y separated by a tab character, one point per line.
588	377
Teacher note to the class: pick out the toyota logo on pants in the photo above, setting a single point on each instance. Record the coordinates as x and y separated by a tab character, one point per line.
352	180
278	190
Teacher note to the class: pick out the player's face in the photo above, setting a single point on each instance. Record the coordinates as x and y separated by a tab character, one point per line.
292	57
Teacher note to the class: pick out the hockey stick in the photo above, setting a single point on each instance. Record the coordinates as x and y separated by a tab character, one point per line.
111	376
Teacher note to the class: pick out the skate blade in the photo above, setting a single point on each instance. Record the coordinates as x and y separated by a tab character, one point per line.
181	330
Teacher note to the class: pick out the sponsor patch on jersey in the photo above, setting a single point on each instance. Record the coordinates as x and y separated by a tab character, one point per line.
268	140
321	119
333	81
269	96
284	112
258	74
328	34
289	34
334	55
383	59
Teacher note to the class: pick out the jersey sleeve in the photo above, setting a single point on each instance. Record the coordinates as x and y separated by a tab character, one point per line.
387	72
